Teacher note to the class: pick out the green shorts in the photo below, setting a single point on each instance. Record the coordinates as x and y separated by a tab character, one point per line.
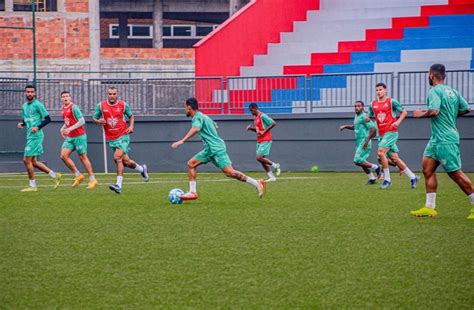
448	155
78	144
220	159
34	146
121	143
389	141
362	155
263	148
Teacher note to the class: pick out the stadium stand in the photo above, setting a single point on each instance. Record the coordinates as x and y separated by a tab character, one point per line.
335	38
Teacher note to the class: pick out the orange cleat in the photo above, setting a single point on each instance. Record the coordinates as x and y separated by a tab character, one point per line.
261	188
189	196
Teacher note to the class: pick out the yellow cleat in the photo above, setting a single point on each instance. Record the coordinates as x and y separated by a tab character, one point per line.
57	180
423	212
92	184
471	216
77	181
30	189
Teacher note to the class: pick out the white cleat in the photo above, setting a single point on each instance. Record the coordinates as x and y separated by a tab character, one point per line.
273	179
144	174
277	169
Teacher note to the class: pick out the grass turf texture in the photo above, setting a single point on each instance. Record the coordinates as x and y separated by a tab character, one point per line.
321	240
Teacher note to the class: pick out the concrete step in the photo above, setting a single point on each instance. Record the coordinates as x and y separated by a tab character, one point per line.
344	4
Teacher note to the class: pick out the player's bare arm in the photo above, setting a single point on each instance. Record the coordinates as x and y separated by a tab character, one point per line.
99	121
250	128
131	121
372	134
425	114
268	128
461	113
403	115
349	127
191	133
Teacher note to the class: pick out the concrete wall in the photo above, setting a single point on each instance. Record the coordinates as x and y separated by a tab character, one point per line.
168	6
300	141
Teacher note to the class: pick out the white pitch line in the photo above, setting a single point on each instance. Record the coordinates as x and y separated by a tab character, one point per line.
172	181
23	174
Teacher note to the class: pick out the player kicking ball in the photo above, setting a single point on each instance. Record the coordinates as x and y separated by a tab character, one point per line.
384	110
110	114
35	117
364	131
75	139
214	151
263	124
444	106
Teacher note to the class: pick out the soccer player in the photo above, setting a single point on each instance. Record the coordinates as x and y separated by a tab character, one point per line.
111	115
384	110
214	151
263	124
35	117
364	131
444	106
75	140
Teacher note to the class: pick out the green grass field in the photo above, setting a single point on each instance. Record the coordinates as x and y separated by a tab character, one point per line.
320	240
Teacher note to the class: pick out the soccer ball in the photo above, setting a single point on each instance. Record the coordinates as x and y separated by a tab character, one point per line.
175	196
315	168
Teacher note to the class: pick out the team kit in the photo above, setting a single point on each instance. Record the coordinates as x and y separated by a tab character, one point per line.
444	104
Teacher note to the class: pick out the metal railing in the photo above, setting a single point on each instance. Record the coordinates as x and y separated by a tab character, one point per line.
217	95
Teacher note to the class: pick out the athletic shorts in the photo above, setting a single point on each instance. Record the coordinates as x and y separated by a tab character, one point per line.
263	148
121	143
34	146
219	159
78	144
448	155
362	155
389	141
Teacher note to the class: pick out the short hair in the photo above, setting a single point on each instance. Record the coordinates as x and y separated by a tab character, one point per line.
439	71
381	84
65	92
30	86
360	101
112	88
253	105
193	103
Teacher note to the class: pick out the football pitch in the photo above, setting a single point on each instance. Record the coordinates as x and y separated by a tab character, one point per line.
317	240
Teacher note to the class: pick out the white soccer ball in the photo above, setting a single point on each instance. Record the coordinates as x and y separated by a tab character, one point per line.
175	196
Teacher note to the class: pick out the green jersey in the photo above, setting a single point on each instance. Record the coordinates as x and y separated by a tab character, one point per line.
33	113
208	133
448	102
362	127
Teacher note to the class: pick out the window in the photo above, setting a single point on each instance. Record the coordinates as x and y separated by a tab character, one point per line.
2	5
133	31
141	31
167	31
202	31
182	31
187	31
40	5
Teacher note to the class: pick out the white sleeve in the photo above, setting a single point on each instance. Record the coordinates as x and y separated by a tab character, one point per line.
79	123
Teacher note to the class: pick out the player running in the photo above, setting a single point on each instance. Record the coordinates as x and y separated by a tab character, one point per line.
111	115
263	124
444	106
74	133
384	110
35	117
214	151
364	131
